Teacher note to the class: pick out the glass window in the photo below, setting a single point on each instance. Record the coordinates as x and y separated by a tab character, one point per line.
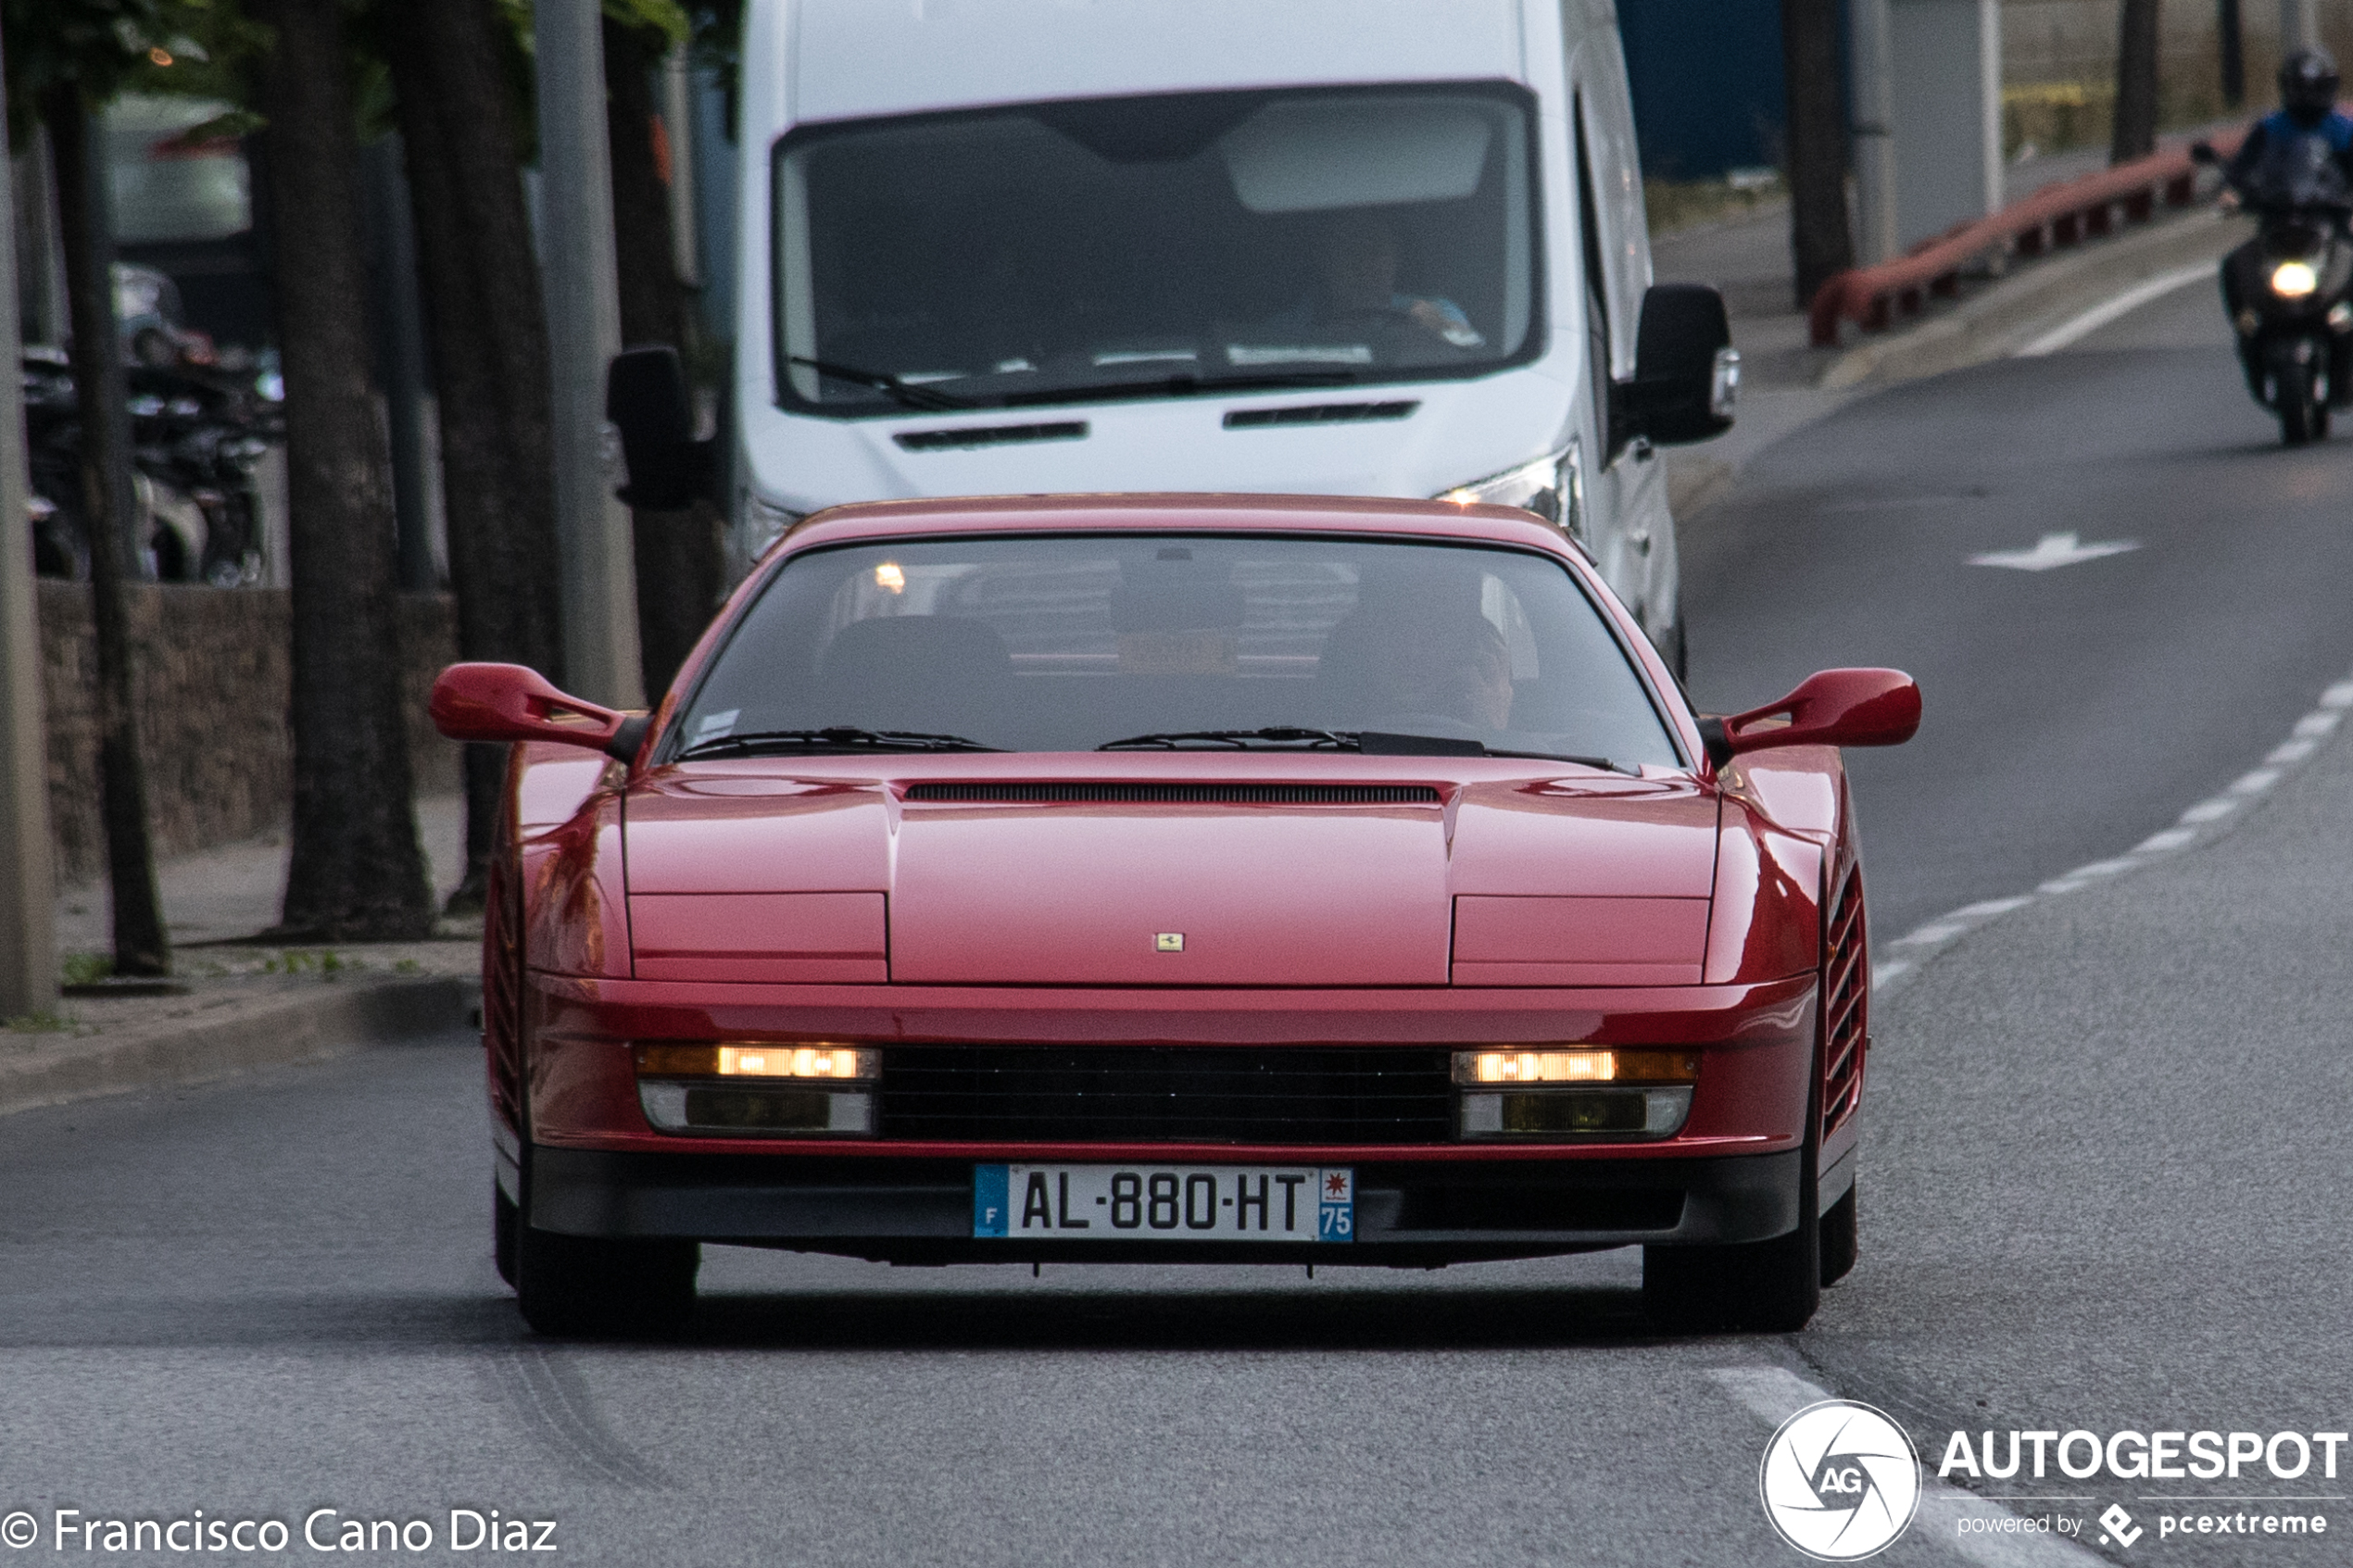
1063	644
1067	251
167	191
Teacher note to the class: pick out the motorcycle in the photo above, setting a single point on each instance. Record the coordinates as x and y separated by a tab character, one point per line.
197	433
2287	288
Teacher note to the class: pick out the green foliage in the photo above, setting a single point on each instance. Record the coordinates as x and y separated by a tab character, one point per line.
103	47
667	16
86	968
49	1022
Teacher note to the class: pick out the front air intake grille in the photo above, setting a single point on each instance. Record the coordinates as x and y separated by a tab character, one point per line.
1167	1094
963	437
1318	414
1181	794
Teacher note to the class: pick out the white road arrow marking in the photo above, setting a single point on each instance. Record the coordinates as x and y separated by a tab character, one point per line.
2054	549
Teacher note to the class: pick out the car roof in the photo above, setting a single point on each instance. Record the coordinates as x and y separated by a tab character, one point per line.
1470	522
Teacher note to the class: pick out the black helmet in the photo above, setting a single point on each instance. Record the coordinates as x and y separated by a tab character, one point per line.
2307	85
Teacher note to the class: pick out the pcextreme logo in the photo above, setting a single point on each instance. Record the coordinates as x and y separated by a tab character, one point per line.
1840	1481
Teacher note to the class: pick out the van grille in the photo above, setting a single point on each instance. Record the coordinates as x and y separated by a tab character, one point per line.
1318	414
1182	794
1167	1094
965	436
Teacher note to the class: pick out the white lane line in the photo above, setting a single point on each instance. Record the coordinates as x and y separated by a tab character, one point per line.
2079	327
1774	1394
2304	738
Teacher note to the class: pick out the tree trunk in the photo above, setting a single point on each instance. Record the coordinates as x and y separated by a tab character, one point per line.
489	340
357	873
139	943
680	569
1821	241
2234	38
2135	82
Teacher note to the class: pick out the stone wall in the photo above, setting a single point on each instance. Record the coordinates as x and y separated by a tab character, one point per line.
211	694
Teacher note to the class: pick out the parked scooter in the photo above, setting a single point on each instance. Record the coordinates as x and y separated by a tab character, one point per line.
197	434
2287	288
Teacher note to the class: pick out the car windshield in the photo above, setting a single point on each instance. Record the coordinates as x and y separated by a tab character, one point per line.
1070	251
1070	644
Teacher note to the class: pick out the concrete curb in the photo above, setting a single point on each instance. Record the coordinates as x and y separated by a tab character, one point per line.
1999	320
233	1034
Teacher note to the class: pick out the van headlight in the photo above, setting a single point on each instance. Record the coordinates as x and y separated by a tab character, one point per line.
1553	487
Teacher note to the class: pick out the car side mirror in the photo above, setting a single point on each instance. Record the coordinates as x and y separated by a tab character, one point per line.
647	400
1687	374
512	702
1834	708
2202	151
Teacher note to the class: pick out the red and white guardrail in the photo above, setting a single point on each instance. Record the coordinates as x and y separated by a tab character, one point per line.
2058	216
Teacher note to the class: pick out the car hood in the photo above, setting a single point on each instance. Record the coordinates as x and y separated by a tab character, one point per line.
1130	871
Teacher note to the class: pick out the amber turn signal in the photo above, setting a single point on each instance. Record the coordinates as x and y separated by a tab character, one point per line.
812	1060
1584	1065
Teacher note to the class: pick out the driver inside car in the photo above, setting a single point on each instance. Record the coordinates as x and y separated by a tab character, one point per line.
1420	665
1358	266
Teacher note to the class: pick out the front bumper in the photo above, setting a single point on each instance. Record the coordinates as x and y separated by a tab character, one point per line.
1415	1213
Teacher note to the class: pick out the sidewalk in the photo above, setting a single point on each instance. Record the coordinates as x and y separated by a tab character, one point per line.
234	1005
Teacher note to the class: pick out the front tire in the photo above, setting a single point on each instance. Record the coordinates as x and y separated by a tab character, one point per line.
1760	1287
578	1286
1841	1243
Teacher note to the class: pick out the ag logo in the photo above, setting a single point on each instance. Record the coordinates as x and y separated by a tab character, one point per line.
1840	1481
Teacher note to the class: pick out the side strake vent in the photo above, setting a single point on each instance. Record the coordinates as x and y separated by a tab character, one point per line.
1182	794
1319	414
990	435
1847	980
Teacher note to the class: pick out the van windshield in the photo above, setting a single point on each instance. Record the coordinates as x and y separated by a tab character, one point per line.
1178	640
1072	251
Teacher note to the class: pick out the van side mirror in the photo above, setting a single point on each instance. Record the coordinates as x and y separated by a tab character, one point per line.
647	400
514	702
1686	371
1832	707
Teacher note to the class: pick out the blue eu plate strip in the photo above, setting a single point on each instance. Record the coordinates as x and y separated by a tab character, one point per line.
988	1200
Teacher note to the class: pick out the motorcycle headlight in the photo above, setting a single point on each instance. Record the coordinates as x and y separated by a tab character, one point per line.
2294	280
1553	487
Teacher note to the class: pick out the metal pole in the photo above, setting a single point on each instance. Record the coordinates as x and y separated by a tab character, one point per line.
28	898
678	129
2299	25
401	357
2233	36
584	334
1871	49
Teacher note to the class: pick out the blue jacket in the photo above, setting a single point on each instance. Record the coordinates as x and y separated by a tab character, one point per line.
2277	129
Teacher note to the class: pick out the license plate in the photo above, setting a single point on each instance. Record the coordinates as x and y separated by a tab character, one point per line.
1164	1202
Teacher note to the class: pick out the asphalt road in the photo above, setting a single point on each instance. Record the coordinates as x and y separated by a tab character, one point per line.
2102	1165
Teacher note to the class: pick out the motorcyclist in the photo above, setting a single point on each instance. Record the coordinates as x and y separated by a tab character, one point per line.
2307	108
2278	153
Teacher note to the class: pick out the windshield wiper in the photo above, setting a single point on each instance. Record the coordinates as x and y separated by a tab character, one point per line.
836	737
1368	743
899	392
1184	384
1240	740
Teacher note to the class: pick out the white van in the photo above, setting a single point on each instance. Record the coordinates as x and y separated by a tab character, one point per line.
1356	247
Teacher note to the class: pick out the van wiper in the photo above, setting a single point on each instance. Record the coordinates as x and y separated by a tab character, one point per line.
890	386
1238	740
1184	384
837	739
